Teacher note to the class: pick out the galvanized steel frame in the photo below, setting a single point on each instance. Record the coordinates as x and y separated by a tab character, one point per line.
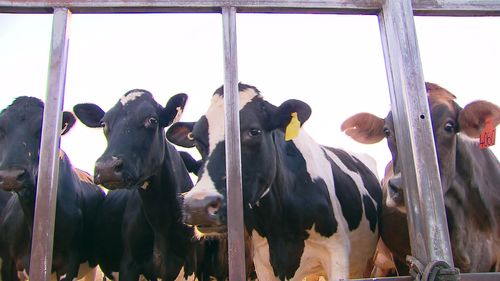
406	84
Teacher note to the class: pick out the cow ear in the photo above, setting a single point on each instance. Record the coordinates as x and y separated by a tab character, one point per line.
472	118
282	115
364	128
180	133
173	110
192	165
67	122
90	114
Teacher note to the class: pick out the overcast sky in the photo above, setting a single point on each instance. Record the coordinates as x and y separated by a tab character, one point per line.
332	62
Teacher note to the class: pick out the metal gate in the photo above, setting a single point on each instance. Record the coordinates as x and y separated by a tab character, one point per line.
427	222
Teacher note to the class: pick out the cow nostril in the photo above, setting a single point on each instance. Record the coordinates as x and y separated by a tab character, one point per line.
21	175
214	207
394	186
118	167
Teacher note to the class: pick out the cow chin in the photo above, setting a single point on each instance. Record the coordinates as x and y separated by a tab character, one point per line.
216	231
397	202
117	185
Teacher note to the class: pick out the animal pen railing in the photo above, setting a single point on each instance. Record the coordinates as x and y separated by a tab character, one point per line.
428	229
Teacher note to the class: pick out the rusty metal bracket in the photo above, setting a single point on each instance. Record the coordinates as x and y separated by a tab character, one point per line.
433	271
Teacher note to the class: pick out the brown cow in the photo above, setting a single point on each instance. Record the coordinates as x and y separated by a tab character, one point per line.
470	178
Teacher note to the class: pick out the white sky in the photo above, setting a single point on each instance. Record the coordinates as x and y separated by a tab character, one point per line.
332	62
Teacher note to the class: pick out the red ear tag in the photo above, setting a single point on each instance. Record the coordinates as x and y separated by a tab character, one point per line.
487	137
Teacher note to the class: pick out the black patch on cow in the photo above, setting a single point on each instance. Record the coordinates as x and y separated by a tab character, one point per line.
369	179
348	195
370	182
370	212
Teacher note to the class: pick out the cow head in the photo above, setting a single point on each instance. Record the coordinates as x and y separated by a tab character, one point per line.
448	120
205	204
134	131
20	138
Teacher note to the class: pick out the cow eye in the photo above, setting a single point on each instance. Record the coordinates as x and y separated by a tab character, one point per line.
151	122
254	132
105	127
449	127
387	132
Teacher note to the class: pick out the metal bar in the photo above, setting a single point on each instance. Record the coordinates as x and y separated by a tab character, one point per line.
420	7
46	196
484	276
236	245
423	194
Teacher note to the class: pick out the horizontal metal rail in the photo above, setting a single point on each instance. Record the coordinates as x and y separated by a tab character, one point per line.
370	7
486	276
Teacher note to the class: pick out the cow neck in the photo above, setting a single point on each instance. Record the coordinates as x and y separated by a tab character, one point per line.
476	176
27	197
276	202
160	198
472	200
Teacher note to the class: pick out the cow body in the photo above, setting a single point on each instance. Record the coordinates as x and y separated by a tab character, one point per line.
138	156
124	240
469	175
7	267
309	209
78	199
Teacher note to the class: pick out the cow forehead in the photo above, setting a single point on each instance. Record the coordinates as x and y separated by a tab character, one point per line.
133	95
140	108
24	108
215	115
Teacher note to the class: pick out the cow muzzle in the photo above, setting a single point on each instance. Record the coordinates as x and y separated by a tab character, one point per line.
109	173
395	197
204	213
13	179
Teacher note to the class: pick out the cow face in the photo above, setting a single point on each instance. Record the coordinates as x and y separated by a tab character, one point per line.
134	131
205	204
448	120
20	138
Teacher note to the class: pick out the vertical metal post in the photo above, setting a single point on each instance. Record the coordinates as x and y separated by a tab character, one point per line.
235	224
423	193
43	227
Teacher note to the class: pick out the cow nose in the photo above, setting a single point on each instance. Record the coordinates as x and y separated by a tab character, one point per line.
395	186
12	179
108	171
203	211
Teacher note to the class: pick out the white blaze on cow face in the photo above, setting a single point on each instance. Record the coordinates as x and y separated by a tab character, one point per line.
130	97
216	126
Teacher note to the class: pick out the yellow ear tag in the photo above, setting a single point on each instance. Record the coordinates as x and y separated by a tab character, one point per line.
292	129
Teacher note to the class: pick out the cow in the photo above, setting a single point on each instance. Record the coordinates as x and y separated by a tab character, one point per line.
78	198
308	209
139	157
470	178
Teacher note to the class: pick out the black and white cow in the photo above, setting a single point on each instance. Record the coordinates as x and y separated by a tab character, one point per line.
78	199
309	209
138	155
470	178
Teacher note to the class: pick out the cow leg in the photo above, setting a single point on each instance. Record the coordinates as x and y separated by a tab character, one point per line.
9	271
71	269
128	271
263	269
337	265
